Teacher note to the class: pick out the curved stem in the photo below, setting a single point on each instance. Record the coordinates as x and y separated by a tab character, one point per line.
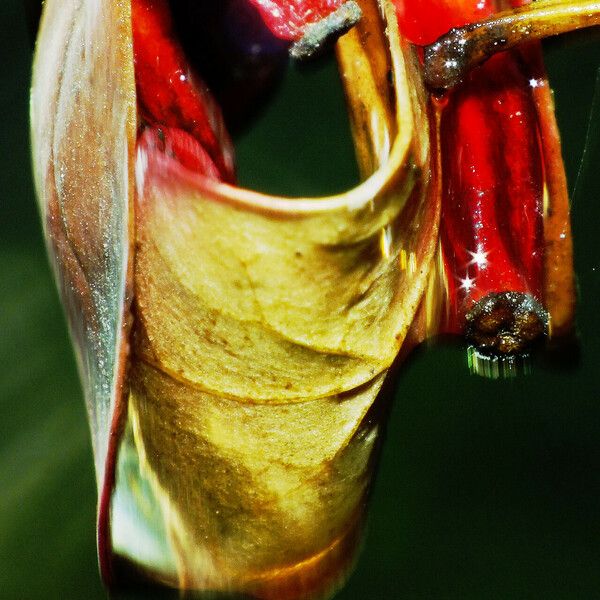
453	55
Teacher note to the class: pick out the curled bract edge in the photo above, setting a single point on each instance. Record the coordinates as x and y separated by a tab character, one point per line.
232	345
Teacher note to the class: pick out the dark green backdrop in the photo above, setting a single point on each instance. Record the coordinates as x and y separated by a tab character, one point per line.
486	489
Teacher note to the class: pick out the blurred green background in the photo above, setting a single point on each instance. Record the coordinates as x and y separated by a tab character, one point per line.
485	490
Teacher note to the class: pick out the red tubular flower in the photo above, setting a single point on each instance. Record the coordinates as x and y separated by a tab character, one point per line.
492	163
492	216
172	98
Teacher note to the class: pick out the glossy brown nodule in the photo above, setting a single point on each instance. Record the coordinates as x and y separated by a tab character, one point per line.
453	55
506	322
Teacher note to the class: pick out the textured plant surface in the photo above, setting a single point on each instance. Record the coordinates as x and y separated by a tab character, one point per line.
142	378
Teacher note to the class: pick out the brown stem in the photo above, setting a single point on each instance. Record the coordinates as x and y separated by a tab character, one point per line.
461	49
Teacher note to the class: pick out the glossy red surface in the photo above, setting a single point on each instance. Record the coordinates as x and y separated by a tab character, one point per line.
288	18
170	94
492	173
493	184
423	21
